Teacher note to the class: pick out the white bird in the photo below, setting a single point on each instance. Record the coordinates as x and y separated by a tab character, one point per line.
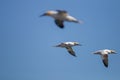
60	16
68	46
104	55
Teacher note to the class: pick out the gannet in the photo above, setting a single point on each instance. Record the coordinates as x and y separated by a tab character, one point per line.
60	16
68	46
104	55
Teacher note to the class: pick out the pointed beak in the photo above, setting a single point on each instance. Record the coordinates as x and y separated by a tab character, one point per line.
114	52
79	45
56	46
43	15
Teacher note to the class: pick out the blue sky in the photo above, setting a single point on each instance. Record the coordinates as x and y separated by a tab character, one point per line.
27	40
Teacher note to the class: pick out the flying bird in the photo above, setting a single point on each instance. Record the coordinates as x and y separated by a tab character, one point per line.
104	55
68	46
60	16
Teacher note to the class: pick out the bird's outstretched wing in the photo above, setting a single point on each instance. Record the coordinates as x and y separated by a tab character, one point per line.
105	60
70	50
97	52
59	23
61	11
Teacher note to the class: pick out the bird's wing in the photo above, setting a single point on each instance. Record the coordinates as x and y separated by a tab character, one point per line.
105	60
59	23
60	45
61	11
70	50
97	52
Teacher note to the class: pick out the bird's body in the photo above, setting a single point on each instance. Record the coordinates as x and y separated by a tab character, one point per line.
60	16
68	46
104	55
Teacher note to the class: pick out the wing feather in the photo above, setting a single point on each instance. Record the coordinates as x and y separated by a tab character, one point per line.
105	60
70	50
59	23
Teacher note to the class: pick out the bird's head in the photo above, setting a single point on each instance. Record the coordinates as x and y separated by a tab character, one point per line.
113	51
76	43
110	51
48	13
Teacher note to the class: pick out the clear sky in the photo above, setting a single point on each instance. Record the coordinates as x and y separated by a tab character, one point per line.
27	40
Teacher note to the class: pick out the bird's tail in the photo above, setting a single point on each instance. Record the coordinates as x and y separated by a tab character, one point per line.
81	22
57	46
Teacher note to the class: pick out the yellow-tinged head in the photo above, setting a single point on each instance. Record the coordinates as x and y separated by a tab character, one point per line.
49	13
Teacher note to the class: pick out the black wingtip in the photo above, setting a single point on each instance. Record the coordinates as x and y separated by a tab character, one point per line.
75	56
106	65
72	54
62	27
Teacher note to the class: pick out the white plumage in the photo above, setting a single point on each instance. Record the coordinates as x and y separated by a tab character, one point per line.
60	16
104	55
68	46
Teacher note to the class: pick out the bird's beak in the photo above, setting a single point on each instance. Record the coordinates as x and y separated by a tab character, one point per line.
43	15
56	46
114	52
79	45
